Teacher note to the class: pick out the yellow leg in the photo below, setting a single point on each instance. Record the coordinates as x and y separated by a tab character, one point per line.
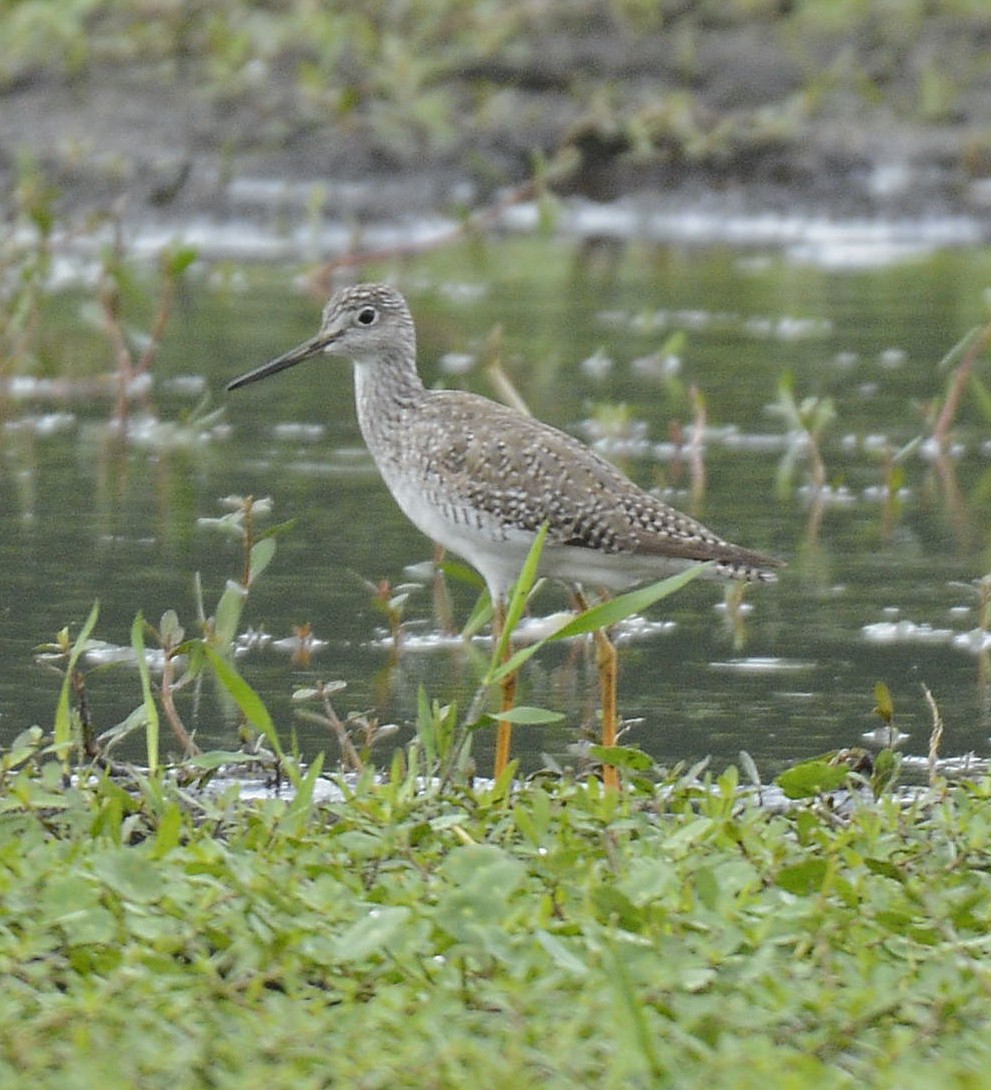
504	733
607	662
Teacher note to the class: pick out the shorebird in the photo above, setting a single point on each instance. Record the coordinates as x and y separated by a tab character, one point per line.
481	479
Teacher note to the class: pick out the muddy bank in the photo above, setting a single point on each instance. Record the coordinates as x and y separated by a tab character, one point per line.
740	117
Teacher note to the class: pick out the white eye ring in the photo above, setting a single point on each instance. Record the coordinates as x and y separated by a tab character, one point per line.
367	316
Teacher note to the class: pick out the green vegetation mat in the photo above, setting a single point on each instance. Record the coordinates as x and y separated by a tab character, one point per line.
556	936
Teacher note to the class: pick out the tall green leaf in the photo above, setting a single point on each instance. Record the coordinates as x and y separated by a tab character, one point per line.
228	614
601	616
261	556
148	699
251	706
520	592
63	715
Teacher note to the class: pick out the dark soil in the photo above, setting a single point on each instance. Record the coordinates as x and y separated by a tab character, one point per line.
749	115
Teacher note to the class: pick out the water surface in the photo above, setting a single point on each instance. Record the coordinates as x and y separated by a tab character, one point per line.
871	593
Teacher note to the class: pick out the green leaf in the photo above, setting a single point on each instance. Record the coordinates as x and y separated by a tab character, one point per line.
373	933
600	616
150	708
637	1035
261	556
247	699
464	573
63	715
957	353
218	758
527	716
613	906
169	630
886	767
481	614
812	778
561	956
251	706
803	879
228	614
168	831
982	396
622	757
887	868
625	605
131	874
520	592
302	804
885	706
176	260
22	749
513	663
749	768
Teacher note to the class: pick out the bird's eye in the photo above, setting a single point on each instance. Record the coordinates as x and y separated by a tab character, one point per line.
367	316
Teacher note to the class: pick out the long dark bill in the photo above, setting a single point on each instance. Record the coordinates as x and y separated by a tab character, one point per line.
280	363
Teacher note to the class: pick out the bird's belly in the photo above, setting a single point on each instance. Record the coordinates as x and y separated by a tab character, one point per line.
476	536
609	571
499	551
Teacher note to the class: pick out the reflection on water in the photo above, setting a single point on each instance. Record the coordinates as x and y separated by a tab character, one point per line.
670	361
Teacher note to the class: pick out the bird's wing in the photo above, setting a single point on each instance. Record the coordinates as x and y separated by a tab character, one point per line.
522	473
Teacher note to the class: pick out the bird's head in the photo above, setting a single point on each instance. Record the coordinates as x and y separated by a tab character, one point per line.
368	323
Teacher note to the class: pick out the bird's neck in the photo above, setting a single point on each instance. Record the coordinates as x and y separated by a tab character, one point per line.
384	391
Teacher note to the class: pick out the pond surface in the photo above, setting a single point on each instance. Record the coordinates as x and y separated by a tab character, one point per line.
878	587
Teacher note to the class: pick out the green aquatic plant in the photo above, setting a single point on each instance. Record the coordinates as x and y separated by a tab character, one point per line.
25	266
181	662
73	727
505	663
391	602
805	422
894	479
960	362
356	735
133	363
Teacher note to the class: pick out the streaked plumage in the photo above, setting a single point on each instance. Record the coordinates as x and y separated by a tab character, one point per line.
481	478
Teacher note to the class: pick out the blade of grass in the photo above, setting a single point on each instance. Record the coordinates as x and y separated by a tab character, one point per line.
625	605
524	715
148	699
302	804
520	592
480	616
600	616
251	706
63	716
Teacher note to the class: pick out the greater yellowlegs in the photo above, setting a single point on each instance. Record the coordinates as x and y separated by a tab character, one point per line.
481	479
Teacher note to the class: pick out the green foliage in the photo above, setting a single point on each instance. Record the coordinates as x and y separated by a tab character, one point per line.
63	731
602	615
805	422
811	778
149	706
560	938
213	649
25	266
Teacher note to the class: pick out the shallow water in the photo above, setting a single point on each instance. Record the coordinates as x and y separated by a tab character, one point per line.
873	590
